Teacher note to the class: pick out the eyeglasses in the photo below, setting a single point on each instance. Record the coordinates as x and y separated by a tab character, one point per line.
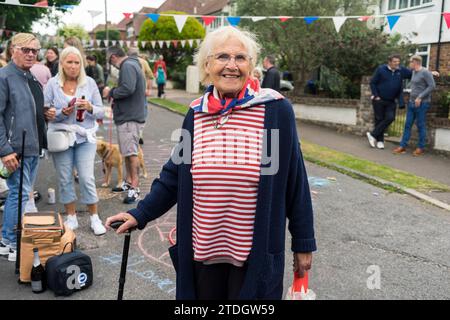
26	50
225	58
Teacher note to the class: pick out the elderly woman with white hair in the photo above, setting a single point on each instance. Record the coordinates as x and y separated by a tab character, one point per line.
233	198
78	105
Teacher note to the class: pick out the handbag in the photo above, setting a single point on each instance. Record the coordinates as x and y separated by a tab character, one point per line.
69	272
58	141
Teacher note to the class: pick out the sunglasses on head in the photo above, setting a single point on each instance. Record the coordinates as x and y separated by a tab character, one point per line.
26	50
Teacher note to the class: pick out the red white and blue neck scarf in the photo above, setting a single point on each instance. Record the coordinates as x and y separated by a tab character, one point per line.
250	95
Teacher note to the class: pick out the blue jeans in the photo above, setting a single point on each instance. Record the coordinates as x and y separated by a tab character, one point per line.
10	216
80	156
419	115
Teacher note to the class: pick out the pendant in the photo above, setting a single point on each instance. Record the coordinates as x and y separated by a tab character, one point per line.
221	122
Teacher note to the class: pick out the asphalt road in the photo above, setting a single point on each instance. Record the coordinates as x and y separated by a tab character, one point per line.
362	232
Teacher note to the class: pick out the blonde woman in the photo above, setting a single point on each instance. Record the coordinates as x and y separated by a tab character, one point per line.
232	204
78	105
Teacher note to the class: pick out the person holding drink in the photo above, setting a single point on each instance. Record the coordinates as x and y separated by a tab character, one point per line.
78	105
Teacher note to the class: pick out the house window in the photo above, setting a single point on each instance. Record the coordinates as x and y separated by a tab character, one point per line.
405	4
392	4
424	52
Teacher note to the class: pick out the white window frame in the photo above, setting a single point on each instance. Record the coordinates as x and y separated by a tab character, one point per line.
425	53
409	7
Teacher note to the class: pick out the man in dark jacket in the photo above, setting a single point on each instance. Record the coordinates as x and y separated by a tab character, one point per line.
129	115
21	108
387	87
272	77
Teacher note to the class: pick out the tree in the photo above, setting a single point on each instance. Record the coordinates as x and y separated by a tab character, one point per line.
357	51
303	48
113	34
73	30
20	19
178	58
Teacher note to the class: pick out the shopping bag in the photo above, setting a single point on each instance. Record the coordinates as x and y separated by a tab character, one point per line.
299	289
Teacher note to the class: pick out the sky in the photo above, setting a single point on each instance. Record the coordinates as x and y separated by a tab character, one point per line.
81	15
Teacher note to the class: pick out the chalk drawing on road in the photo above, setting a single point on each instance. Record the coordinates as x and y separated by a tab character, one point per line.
318	182
134	262
153	242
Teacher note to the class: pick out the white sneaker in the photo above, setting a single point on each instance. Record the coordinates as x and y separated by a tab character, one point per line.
97	225
371	139
4	249
12	256
380	145
72	222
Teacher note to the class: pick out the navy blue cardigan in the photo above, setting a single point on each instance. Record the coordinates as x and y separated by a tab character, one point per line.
282	195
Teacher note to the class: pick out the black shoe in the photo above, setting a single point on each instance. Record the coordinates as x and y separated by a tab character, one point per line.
132	196
141	141
125	186
37	196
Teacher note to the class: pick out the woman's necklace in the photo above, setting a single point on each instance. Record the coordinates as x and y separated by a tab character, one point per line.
69	87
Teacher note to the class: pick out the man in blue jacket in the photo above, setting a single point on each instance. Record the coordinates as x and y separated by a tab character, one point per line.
21	107
386	86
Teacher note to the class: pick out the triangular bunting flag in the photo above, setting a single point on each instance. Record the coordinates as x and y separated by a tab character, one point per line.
153	16
41	4
207	20
419	19
128	44
68	6
183	43
392	20
339	22
143	44
121	43
168	44
175	43
198	42
153	44
91	43
256	19
234	21
17	2
310	20
127	15
161	44
447	19
284	19
114	42
364	18
94	13
191	43
99	42
84	42
180	20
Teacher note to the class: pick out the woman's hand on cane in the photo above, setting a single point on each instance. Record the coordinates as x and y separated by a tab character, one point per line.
129	222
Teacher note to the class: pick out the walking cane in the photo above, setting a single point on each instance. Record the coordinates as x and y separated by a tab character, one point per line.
19	206
126	249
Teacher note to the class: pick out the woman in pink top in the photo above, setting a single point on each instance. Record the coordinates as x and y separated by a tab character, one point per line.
41	72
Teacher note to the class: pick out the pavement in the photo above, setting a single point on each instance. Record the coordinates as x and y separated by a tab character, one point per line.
372	244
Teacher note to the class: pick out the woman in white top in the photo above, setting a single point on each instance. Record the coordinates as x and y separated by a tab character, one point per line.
78	105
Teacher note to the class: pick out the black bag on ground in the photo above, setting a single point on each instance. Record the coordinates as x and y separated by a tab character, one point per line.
69	272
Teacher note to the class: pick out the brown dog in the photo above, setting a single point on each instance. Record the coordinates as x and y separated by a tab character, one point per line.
111	157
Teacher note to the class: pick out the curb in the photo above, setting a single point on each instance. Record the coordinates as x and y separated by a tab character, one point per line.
378	181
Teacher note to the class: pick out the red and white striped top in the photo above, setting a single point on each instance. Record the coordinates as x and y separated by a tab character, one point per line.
226	172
